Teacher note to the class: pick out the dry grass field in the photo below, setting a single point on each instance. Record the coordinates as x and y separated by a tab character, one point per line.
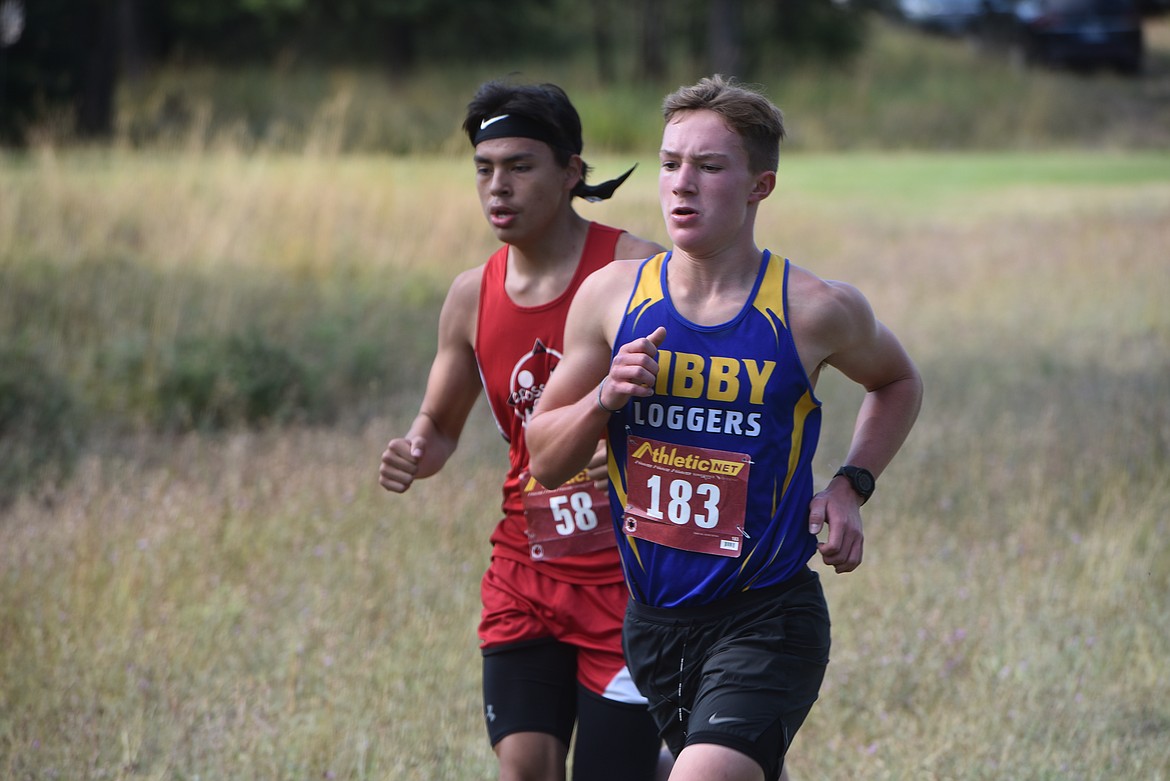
250	605
247	603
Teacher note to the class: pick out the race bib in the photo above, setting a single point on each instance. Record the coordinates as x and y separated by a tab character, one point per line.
566	521
690	498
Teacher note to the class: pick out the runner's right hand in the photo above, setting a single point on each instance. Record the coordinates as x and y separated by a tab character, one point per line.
400	462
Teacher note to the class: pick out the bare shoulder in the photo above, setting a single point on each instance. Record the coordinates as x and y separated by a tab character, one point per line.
817	302
612	279
631	246
461	309
827	317
466	284
602	297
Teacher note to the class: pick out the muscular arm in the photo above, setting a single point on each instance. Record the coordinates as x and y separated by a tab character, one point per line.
836	326
567	423
453	386
892	400
868	353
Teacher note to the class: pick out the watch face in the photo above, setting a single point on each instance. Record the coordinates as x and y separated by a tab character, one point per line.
860	478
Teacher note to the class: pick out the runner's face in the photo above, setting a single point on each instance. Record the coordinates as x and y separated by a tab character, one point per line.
704	183
521	188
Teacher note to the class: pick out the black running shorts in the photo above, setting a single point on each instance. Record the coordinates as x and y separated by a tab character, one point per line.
741	673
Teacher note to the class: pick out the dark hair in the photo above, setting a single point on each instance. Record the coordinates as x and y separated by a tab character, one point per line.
746	111
548	106
544	104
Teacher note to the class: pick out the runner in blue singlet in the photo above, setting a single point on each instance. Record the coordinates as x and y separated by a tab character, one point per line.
701	366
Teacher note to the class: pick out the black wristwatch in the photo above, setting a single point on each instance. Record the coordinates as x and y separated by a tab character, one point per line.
861	479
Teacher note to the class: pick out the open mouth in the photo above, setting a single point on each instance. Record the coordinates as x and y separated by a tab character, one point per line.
501	216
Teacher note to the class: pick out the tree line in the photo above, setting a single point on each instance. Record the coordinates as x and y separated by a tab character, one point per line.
70	55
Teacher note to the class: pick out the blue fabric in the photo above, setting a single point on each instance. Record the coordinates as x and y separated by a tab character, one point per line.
739	387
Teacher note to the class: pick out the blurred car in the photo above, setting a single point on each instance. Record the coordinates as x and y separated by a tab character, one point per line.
949	17
1070	33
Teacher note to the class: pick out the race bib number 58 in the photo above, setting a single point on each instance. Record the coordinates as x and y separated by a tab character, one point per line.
684	497
566	521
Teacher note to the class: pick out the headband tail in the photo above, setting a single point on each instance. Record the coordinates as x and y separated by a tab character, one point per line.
600	192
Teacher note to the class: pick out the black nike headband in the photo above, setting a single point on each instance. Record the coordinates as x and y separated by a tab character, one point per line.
516	126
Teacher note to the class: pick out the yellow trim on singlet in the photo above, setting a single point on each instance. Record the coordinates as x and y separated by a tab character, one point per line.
803	407
649	290
616	479
771	294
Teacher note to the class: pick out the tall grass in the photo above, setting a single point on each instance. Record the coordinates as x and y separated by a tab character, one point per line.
1016	555
250	604
195	246
904	91
243	601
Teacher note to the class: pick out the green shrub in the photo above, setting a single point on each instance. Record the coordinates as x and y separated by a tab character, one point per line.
40	429
221	381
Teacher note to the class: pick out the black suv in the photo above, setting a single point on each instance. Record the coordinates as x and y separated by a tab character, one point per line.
1069	33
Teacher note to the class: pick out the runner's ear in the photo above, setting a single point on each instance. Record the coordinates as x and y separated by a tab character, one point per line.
763	186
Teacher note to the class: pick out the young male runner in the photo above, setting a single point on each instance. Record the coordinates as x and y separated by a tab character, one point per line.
701	365
553	595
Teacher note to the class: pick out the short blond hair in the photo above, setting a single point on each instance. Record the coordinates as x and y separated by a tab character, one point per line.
746	111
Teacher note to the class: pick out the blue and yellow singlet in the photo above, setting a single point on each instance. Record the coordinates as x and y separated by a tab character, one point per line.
711	477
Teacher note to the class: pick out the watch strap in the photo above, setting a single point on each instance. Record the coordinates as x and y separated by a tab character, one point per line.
861	479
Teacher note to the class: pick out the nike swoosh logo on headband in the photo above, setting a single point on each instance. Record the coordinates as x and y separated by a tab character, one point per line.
483	123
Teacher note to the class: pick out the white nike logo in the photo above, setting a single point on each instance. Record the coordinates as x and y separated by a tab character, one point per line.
485	122
715	719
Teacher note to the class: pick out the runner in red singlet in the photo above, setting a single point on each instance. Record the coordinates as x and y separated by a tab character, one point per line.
553	596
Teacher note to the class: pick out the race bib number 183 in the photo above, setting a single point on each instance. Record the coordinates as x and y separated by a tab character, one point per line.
684	497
